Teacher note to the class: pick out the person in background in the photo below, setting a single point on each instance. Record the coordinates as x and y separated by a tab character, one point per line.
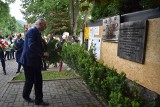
31	60
12	38
8	48
2	58
60	43
44	65
50	37
65	37
51	40
19	48
73	40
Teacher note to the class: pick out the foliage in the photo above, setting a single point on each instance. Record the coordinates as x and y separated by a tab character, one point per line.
8	24
50	75
10	1
56	13
147	4
19	27
98	13
105	81
4	13
54	55
106	8
119	100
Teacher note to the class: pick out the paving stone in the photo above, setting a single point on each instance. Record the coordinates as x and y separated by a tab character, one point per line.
59	93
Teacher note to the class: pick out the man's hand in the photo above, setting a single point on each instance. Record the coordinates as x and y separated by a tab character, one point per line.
46	54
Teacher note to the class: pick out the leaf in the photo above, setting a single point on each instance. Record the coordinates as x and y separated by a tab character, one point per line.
54	55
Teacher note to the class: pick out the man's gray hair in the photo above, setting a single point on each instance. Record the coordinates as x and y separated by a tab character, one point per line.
41	20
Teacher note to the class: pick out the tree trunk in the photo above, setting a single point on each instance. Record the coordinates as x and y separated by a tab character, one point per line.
86	15
71	16
76	17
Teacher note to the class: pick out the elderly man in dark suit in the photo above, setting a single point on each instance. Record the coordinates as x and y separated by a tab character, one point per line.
31	61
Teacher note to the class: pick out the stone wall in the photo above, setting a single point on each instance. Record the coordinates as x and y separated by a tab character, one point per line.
147	74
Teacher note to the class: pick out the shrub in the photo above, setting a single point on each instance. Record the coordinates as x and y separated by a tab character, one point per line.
105	81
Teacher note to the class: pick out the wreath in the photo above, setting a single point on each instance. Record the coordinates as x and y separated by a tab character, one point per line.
54	54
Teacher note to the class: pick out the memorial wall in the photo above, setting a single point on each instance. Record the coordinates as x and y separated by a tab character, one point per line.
132	40
138	57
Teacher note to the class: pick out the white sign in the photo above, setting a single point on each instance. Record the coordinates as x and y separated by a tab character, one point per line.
93	31
96	30
97	43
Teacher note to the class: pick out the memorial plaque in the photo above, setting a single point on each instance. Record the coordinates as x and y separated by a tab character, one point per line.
132	41
111	27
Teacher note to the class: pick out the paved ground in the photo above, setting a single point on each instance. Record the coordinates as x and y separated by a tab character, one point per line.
59	93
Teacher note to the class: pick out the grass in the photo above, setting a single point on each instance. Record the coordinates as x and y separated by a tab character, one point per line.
50	75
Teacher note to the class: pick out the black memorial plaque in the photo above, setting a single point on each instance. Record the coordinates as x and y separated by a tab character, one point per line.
132	41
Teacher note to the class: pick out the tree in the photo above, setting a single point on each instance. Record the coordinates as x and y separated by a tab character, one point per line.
7	23
56	13
4	13
61	15
85	13
147	4
105	8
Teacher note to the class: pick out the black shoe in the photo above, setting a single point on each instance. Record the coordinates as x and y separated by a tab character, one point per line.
17	72
42	103
4	72
29	100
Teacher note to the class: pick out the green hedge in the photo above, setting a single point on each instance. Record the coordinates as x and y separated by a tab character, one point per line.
104	81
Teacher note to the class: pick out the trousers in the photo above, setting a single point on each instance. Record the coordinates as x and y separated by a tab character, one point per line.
33	76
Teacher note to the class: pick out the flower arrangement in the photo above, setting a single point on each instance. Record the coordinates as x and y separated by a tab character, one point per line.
3	43
54	48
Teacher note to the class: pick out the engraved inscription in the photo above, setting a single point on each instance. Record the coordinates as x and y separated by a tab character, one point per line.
131	43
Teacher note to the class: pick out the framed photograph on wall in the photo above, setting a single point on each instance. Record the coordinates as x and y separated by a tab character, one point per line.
111	26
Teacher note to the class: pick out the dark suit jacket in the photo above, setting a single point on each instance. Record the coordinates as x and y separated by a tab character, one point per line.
1	50
19	48
32	49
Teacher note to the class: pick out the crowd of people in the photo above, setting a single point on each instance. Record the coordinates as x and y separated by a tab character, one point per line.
13	46
60	40
10	49
29	53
